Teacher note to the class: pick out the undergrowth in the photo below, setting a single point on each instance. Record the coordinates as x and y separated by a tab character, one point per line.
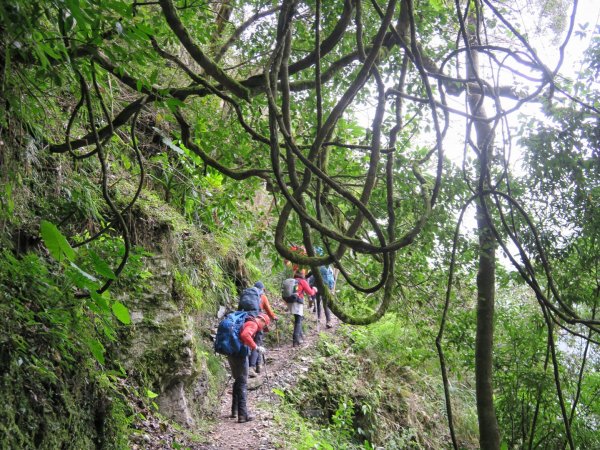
375	387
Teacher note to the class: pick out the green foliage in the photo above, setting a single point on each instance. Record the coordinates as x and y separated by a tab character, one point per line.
193	297
524	378
99	303
385	391
202	195
43	48
394	344
46	367
306	434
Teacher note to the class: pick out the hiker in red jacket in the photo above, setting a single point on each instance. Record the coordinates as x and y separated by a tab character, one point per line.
265	307
296	249
296	307
239	366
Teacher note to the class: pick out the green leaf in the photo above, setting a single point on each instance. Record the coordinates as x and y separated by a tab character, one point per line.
174	103
279	392
101	266
10	204
151	394
97	350
121	312
77	13
87	276
100	301
56	243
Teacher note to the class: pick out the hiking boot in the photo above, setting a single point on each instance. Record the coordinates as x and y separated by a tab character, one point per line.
328	325
257	369
244	419
252	372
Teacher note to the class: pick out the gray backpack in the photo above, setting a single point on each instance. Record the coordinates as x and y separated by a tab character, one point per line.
250	301
289	289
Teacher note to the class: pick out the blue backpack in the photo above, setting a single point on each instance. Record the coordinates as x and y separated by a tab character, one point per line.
250	301
227	340
327	275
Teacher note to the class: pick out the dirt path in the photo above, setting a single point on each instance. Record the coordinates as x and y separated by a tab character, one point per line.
284	364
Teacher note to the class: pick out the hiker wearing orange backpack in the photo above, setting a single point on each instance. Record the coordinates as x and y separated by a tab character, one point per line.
239	365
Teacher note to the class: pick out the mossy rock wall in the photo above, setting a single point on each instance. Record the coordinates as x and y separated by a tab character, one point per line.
169	343
54	398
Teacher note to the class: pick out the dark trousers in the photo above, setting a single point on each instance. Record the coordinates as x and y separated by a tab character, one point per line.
239	372
327	311
254	356
298	335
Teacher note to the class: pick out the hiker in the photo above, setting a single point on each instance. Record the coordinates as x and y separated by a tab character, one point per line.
329	280
296	249
296	306
265	307
239	365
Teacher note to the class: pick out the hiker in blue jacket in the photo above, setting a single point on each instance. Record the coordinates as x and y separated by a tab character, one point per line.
329	280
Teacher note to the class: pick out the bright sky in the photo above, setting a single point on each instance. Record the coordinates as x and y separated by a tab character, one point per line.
588	11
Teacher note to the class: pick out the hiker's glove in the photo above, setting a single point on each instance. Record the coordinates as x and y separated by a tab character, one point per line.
260	349
315	289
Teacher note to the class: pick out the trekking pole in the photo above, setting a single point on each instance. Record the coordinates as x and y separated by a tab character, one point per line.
318	303
226	384
268	383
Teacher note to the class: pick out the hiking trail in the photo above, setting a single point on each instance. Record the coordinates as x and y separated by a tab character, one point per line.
284	364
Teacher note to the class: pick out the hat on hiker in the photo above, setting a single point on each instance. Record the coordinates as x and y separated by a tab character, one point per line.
266	320
260	286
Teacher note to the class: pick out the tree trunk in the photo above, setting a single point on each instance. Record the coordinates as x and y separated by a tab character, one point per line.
489	433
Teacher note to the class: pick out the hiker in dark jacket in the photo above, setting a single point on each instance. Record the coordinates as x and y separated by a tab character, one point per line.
239	366
265	307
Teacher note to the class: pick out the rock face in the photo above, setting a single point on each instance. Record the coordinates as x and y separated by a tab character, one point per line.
164	349
168	346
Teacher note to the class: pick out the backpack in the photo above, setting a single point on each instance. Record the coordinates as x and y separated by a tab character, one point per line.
289	289
327	275
227	340
250	301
